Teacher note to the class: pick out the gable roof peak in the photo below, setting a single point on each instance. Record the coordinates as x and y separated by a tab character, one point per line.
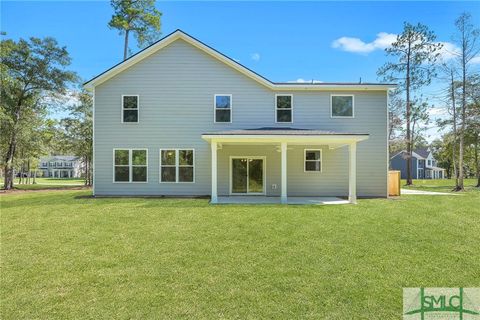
423	152
180	34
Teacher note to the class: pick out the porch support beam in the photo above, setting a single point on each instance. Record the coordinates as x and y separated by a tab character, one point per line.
352	172
214	198
283	150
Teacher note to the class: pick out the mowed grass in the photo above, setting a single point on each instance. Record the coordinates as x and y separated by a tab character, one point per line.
440	185
47	183
67	256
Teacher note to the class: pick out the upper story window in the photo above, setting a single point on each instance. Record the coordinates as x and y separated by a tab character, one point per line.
313	160
177	165
129	109
223	108
130	165
283	108
429	162
342	106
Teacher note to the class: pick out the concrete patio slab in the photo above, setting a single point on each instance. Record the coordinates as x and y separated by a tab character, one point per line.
276	200
426	193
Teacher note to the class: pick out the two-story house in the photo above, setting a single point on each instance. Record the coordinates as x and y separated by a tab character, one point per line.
61	167
424	165
181	119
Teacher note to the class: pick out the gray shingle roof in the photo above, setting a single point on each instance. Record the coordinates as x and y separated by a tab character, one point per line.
59	158
422	152
282	131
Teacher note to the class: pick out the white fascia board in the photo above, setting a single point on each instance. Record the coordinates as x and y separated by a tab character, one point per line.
266	139
334	87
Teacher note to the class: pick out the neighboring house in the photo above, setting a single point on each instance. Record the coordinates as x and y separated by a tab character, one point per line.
424	165
181	119
61	167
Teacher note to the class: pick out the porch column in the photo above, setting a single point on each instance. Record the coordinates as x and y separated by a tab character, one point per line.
214	198
283	148
352	171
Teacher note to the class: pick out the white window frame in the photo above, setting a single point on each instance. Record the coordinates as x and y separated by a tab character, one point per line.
215	107
177	165
138	108
130	165
291	107
342	117
305	161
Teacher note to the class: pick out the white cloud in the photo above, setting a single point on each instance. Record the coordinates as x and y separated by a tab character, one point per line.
301	80
437	111
255	56
448	51
384	40
356	45
475	60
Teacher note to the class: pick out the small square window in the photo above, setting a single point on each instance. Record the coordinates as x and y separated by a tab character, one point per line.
122	174
139	174
168	174
121	157
313	160
342	106
185	174
139	157
185	157
168	157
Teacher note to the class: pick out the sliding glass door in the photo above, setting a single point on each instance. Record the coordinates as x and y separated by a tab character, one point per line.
247	175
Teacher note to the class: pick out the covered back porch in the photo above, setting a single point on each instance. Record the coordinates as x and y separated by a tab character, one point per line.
282	149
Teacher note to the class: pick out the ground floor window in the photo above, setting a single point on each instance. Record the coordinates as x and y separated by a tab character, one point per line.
177	165
313	160
428	174
130	165
420	174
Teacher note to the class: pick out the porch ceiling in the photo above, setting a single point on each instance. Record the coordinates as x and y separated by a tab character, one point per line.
289	135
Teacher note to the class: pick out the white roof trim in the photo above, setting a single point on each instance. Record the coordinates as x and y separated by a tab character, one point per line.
178	34
413	154
297	139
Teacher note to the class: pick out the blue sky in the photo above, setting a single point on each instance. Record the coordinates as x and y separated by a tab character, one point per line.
283	41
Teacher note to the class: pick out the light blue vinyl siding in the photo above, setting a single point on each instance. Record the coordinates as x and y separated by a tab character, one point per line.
176	88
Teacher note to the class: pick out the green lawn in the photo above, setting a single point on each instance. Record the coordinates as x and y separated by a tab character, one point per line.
67	256
440	185
48	183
